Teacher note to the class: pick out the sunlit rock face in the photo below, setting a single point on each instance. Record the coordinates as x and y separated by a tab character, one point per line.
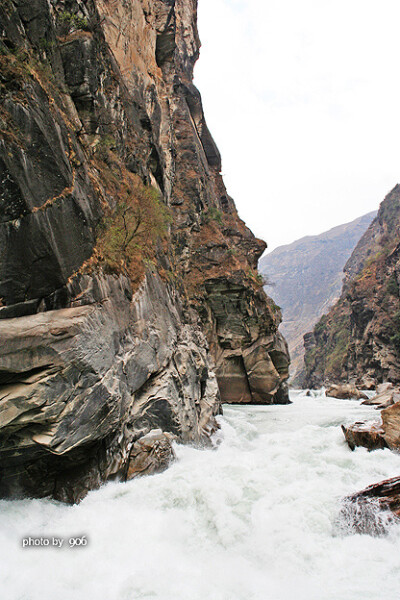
95	95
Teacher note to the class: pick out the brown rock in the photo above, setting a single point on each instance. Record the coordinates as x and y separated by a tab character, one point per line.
153	453
391	425
367	434
384	387
368	383
384	399
376	434
345	392
373	509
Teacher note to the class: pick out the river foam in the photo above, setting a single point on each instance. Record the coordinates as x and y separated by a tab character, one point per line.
252	520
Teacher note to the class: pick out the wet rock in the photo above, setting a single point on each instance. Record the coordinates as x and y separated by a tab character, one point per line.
367	434
152	453
390	395
345	392
372	510
376	434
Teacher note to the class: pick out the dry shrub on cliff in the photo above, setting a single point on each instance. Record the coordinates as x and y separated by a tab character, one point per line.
128	234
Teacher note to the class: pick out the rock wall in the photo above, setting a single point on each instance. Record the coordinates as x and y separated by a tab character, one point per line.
100	345
359	339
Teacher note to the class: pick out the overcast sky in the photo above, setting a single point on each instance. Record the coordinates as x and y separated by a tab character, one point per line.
303	100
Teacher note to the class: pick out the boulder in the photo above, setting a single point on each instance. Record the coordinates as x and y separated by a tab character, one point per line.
367	434
152	453
384	387
376	434
391	425
345	391
372	510
386	398
368	383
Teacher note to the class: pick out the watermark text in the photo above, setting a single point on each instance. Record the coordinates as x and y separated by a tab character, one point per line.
54	541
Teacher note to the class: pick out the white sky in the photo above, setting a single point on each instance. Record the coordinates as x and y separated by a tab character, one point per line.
303	100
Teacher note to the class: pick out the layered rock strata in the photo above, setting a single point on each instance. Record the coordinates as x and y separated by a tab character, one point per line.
384	433
372	510
386	396
110	330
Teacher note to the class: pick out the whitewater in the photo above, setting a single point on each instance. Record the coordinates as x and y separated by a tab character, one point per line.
253	519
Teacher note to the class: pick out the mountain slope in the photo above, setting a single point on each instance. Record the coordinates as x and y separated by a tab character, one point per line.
358	340
306	279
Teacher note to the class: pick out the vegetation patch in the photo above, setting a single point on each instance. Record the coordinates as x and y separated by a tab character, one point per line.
212	214
73	22
128	234
392	287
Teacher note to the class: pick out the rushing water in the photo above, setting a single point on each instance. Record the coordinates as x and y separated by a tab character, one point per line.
252	520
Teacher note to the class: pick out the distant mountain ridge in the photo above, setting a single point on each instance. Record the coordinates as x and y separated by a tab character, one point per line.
305	279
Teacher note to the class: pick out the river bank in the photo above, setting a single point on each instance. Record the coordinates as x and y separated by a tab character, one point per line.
254	519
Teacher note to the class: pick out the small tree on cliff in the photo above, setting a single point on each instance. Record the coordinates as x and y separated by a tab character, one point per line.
128	234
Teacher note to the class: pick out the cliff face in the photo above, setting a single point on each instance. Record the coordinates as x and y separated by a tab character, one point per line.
358	340
128	283
306	280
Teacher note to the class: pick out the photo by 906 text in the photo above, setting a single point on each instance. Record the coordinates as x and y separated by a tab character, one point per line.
54	542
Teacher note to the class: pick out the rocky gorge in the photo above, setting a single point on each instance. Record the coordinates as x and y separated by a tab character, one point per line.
130	296
357	341
356	345
305	280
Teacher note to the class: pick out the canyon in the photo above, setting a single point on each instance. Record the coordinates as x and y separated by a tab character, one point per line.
131	304
305	280
357	341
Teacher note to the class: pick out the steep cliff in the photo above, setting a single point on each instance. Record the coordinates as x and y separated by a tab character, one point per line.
128	283
306	279
358	340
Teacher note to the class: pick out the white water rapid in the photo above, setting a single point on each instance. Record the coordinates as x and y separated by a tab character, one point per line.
252	520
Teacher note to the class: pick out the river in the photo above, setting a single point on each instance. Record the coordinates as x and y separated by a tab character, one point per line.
254	519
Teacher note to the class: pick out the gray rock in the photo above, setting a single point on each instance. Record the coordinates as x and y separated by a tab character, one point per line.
84	383
151	454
